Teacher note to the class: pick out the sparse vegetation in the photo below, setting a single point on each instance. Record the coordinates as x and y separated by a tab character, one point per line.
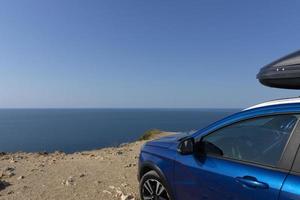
150	134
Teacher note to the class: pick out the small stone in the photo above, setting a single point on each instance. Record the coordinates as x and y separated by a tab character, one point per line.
106	192
43	153
99	158
41	165
59	152
9	169
25	187
112	187
123	145
10	192
52	162
3	185
124	184
20	177
130	165
127	197
3	153
97	182
70	181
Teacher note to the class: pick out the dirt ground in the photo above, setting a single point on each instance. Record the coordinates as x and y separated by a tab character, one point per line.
108	173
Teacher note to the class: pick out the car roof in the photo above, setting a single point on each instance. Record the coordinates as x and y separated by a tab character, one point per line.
275	102
278	106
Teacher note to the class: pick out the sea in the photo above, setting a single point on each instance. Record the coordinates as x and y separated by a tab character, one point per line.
73	130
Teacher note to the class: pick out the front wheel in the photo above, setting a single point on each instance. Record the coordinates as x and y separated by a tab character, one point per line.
152	187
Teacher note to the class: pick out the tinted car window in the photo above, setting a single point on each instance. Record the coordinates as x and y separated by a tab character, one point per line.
261	140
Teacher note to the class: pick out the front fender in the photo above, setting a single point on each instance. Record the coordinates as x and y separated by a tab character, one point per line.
161	160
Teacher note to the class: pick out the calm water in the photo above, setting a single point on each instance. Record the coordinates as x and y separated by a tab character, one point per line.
72	130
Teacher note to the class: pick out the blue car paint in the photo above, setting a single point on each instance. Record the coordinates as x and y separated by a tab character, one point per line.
291	188
216	178
161	159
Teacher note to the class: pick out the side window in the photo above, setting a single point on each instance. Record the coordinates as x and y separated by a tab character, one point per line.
260	140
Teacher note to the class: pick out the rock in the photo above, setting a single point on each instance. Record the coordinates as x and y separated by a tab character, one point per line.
107	192
3	153
92	155
123	144
20	177
112	187
130	165
97	182
59	152
119	193
123	196
124	184
10	169
3	185
81	175
10	192
99	158
8	172
70	181
52	161
119	153
41	165
127	197
43	153
25	187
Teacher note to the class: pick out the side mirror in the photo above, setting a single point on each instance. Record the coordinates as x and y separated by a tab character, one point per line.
186	146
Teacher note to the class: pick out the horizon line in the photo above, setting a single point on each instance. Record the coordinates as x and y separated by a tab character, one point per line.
2	108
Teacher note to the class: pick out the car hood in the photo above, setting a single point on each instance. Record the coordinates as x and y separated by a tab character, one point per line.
167	141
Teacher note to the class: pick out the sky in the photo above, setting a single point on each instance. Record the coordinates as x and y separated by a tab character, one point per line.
142	54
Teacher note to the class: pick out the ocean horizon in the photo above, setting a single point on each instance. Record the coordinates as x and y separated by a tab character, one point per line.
78	129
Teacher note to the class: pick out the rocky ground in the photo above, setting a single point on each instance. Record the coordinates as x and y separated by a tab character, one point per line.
108	173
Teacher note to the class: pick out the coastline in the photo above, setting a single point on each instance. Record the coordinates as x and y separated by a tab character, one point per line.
107	173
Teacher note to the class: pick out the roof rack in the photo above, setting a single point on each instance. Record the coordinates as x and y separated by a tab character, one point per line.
275	102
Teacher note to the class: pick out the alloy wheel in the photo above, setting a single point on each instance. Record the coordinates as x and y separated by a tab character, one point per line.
154	190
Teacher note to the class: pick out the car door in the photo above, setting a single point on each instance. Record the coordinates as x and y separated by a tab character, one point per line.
291	186
245	160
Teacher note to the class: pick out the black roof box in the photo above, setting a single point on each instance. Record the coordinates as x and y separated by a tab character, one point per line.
282	73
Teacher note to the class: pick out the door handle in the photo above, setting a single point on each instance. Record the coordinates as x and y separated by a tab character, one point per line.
251	182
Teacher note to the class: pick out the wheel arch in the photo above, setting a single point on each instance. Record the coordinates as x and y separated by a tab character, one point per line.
150	166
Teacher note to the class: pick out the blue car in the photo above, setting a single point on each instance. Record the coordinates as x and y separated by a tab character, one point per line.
253	154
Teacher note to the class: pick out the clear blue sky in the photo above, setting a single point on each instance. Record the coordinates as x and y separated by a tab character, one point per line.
158	53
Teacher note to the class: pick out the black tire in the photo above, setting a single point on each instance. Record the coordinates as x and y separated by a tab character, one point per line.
149	182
